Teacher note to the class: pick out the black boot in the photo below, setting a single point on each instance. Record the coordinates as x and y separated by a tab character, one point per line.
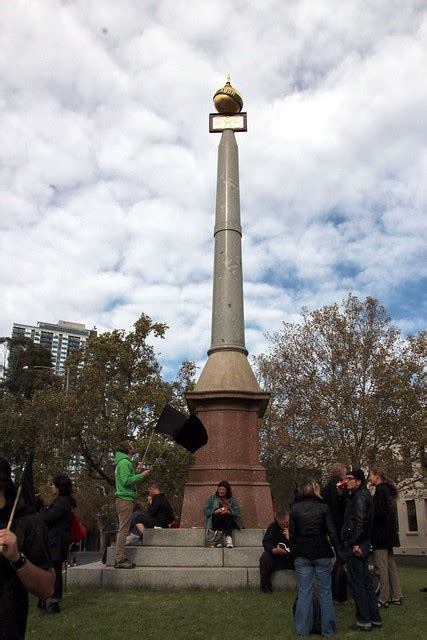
53	608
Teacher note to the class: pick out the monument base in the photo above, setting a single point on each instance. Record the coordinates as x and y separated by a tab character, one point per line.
231	419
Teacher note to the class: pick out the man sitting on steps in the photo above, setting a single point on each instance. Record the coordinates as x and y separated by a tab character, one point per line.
158	515
276	555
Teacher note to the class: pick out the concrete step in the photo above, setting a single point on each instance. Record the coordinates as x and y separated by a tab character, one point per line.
189	557
97	575
196	537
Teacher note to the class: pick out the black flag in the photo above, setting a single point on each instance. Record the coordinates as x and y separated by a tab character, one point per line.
27	483
189	432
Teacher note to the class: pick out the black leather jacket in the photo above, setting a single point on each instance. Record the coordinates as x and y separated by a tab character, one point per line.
310	524
57	516
358	517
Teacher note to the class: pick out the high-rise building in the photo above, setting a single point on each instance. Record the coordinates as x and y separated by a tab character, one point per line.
60	339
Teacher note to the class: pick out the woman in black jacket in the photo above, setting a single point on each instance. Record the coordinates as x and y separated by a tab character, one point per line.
384	537
57	517
310	524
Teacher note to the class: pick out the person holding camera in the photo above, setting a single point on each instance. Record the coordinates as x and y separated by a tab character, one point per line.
276	555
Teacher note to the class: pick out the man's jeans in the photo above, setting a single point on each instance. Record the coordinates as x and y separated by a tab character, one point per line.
306	571
362	588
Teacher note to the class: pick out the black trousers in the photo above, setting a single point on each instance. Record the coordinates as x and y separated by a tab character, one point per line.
223	522
57	589
142	518
339	582
270	562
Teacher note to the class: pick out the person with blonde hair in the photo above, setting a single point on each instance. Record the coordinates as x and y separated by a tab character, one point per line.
384	537
310	524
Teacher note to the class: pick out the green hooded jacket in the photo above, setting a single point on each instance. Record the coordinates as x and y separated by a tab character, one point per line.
126	478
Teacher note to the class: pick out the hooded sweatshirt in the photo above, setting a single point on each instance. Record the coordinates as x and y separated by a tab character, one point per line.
126	478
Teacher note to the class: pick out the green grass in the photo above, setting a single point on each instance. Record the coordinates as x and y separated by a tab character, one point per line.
217	615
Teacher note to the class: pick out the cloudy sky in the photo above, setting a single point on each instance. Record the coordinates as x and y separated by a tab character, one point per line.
108	170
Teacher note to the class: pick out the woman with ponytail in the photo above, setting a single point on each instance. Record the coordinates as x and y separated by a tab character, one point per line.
384	537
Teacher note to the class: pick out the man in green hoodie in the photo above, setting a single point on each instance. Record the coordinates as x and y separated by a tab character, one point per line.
126	481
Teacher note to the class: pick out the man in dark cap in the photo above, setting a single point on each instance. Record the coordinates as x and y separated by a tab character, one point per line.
25	563
356	534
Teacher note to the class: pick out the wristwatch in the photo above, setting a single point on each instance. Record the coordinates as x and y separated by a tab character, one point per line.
18	564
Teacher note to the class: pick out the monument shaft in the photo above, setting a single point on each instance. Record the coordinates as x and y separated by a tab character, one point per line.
227	305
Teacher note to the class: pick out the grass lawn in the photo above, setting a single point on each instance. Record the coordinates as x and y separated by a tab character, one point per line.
218	615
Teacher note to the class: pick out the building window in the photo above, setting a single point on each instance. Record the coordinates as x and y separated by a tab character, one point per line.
412	515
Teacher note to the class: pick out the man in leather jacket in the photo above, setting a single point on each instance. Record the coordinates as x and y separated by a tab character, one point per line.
356	534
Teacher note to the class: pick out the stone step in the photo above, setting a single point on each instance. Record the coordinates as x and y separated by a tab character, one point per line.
97	575
189	557
196	537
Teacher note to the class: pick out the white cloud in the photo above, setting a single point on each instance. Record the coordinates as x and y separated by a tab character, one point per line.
107	180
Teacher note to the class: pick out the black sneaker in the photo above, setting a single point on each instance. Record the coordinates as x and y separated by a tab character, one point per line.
53	608
267	588
382	605
124	564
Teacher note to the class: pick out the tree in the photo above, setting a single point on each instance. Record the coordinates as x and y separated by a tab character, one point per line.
345	387
29	374
29	366
114	391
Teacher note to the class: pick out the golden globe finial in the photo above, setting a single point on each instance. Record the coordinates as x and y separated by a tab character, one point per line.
228	99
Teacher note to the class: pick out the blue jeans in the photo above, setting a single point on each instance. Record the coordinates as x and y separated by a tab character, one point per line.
362	589
306	571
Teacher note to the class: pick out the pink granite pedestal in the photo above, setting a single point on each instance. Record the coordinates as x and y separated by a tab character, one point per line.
232	420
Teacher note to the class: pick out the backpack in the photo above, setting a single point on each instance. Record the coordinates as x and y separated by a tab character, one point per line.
77	531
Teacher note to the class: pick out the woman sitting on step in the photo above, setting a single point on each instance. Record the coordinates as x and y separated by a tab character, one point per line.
222	513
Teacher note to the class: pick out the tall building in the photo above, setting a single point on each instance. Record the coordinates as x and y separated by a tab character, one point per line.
60	339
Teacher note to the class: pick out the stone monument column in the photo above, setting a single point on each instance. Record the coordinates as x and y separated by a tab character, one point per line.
227	397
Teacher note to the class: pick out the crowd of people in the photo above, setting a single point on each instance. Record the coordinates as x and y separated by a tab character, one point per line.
326	538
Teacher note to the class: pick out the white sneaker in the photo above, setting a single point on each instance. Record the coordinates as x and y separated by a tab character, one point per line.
229	542
131	538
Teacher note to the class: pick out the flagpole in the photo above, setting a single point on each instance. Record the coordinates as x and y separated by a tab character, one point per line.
161	453
12	513
148	445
